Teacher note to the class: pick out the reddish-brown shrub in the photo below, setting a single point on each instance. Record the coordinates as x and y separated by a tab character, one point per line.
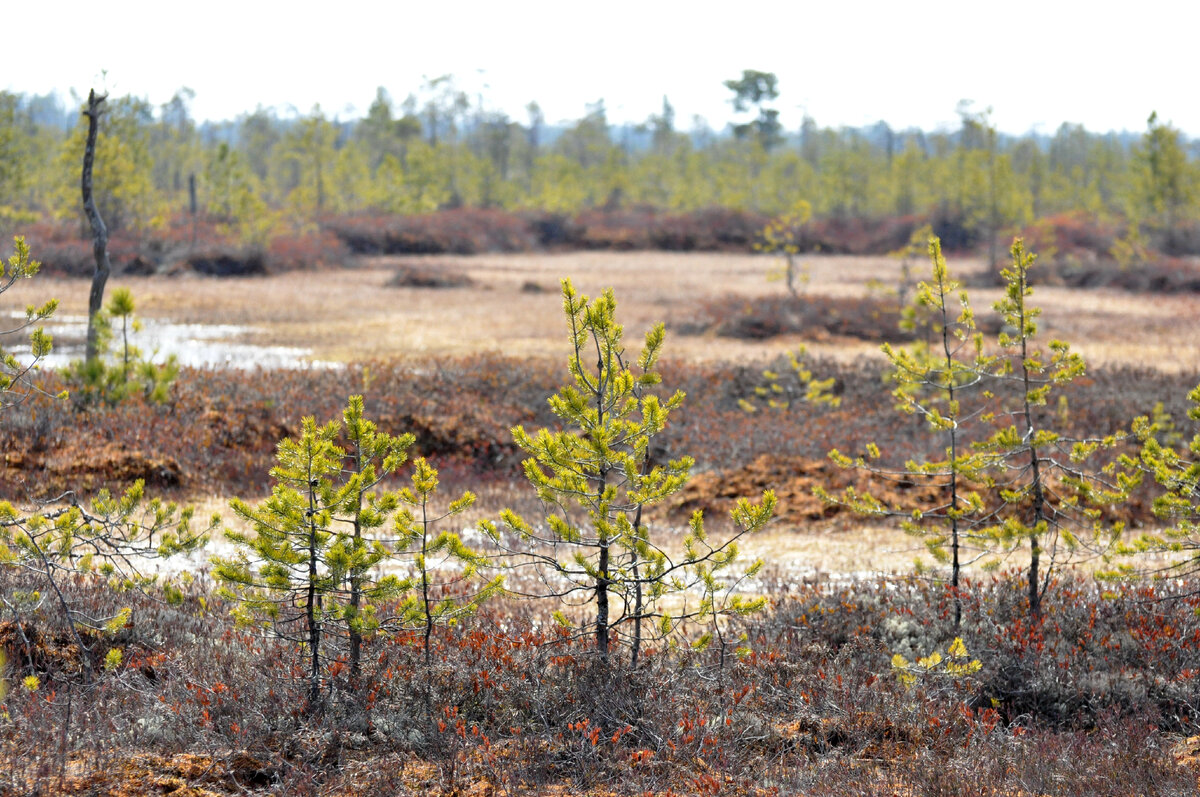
462	231
816	317
1083	703
859	236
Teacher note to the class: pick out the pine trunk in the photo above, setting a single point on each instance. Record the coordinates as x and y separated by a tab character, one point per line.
311	609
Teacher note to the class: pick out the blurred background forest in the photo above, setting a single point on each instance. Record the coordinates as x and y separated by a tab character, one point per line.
441	171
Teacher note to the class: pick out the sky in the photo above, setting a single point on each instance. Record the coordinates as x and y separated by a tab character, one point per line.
1035	64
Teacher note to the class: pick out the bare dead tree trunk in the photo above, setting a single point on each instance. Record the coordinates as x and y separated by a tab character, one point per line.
95	108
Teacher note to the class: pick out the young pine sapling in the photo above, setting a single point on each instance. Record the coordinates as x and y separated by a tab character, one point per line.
110	538
598	476
64	540
783	235
15	375
1047	492
306	565
932	382
445	587
129	371
1015	479
1177	473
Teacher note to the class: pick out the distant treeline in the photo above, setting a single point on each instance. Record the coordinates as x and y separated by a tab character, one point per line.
262	175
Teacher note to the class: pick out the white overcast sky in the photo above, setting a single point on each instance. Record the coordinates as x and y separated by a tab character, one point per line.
1103	63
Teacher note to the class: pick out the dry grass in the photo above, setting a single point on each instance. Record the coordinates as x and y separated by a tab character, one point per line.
350	314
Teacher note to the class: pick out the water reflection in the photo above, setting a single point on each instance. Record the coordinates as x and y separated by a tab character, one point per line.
194	345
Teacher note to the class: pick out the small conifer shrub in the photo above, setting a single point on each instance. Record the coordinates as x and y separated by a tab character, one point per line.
66	541
445	583
313	565
109	539
120	368
783	235
1008	477
1176	470
14	374
306	565
598	475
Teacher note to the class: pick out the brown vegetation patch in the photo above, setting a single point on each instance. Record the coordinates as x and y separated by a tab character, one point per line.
1187	753
1090	700
1075	235
88	467
461	231
711	230
1076	250
208	249
816	317
240	427
218	433
793	479
462	436
856	235
179	775
476	231
33	651
1160	276
29	651
221	262
428	275
868	734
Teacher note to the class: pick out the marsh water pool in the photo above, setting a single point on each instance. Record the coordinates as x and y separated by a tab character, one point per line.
193	345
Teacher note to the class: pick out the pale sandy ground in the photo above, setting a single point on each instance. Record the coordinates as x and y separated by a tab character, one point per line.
837	554
814	552
350	314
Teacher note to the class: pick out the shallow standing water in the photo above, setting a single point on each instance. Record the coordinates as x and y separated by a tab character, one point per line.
194	345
